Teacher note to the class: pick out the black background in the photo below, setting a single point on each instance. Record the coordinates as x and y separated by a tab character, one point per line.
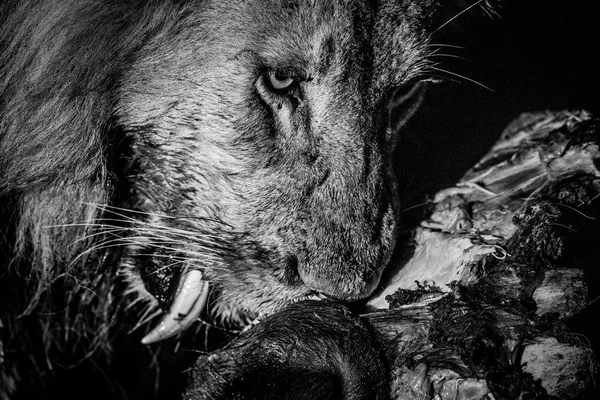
536	56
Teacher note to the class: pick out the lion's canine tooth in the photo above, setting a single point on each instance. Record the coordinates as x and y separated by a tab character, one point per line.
190	299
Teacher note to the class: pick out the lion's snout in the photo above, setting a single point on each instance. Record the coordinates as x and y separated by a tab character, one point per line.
344	261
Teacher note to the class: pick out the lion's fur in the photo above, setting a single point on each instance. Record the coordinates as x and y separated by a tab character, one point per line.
125	125
60	64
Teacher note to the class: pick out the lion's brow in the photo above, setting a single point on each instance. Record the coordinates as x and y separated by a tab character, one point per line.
274	61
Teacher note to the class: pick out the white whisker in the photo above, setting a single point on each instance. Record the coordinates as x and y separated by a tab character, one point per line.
97	247
457	15
447	45
174	264
107	232
444	55
462	77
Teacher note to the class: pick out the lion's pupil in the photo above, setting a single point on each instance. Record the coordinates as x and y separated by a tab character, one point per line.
280	81
279	76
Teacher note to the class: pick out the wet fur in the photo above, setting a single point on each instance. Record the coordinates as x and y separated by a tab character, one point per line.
138	134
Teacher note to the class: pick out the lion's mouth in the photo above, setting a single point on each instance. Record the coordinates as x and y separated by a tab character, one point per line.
184	296
189	301
183	292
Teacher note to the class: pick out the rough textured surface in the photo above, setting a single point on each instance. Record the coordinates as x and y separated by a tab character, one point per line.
489	305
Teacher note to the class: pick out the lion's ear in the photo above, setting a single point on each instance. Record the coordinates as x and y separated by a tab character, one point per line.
466	24
493	7
404	102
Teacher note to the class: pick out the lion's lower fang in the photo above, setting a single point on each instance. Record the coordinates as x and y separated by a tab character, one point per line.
189	301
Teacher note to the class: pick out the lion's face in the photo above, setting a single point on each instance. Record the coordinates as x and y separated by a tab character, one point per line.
260	152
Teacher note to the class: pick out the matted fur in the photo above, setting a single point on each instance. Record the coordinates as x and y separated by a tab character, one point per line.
139	138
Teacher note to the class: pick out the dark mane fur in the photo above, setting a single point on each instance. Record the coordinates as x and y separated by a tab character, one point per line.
59	64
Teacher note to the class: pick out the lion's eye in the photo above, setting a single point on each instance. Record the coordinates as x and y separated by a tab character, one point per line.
279	82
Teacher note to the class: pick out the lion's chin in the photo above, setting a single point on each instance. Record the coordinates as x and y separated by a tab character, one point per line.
189	301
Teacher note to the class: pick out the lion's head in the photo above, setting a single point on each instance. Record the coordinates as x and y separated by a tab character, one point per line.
262	159
178	154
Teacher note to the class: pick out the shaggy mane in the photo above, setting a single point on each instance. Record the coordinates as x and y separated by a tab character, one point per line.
56	156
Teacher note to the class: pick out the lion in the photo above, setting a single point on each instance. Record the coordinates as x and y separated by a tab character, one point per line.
168	162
